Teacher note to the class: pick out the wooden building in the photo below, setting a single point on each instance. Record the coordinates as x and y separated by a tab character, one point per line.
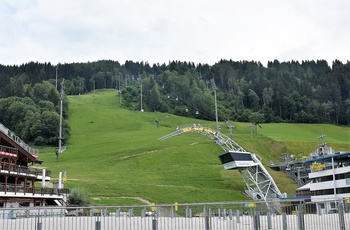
22	182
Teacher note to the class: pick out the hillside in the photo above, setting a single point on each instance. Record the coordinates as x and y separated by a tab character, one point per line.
116	156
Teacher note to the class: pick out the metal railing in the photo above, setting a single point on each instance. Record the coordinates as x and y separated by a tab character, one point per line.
18	140
7	149
295	214
9	187
23	170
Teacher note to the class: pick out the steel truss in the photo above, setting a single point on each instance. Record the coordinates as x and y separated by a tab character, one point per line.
259	183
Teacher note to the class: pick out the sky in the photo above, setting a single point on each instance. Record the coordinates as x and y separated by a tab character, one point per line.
159	31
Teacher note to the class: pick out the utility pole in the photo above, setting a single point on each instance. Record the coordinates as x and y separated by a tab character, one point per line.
120	92
141	93
60	132
213	85
56	75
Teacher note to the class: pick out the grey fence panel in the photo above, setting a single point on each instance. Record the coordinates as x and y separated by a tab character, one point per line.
294	215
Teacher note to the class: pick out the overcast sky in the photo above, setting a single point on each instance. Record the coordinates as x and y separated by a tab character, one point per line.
159	31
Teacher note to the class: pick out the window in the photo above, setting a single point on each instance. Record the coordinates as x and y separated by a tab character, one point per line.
225	158
242	157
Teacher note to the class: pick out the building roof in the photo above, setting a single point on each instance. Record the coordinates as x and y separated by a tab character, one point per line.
304	187
23	153
337	157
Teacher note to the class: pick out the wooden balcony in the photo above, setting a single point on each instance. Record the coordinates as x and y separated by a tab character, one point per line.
21	189
20	170
5	150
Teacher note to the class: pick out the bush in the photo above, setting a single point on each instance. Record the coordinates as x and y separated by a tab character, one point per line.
78	197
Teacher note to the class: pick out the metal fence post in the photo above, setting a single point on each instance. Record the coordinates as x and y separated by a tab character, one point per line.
301	222
207	222
284	220
230	214
269	220
238	216
256	219
98	224
206	218
341	216
154	220
131	212
38	224
117	212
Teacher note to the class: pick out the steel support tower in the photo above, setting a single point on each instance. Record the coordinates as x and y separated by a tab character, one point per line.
259	183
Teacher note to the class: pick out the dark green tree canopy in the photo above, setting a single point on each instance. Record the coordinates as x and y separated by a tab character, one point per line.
35	117
308	92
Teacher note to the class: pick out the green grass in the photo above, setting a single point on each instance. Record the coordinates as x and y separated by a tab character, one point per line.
116	156
305	132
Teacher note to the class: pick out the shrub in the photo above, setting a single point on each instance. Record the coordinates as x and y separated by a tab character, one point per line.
78	197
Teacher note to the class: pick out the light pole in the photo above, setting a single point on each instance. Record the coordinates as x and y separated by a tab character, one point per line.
120	92
60	132
213	85
56	75
141	93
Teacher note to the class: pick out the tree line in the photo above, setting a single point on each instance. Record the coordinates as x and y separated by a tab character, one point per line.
33	113
300	92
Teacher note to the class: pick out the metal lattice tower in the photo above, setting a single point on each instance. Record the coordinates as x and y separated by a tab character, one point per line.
259	183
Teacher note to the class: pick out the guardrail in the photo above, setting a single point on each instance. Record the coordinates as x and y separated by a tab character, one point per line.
296	214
